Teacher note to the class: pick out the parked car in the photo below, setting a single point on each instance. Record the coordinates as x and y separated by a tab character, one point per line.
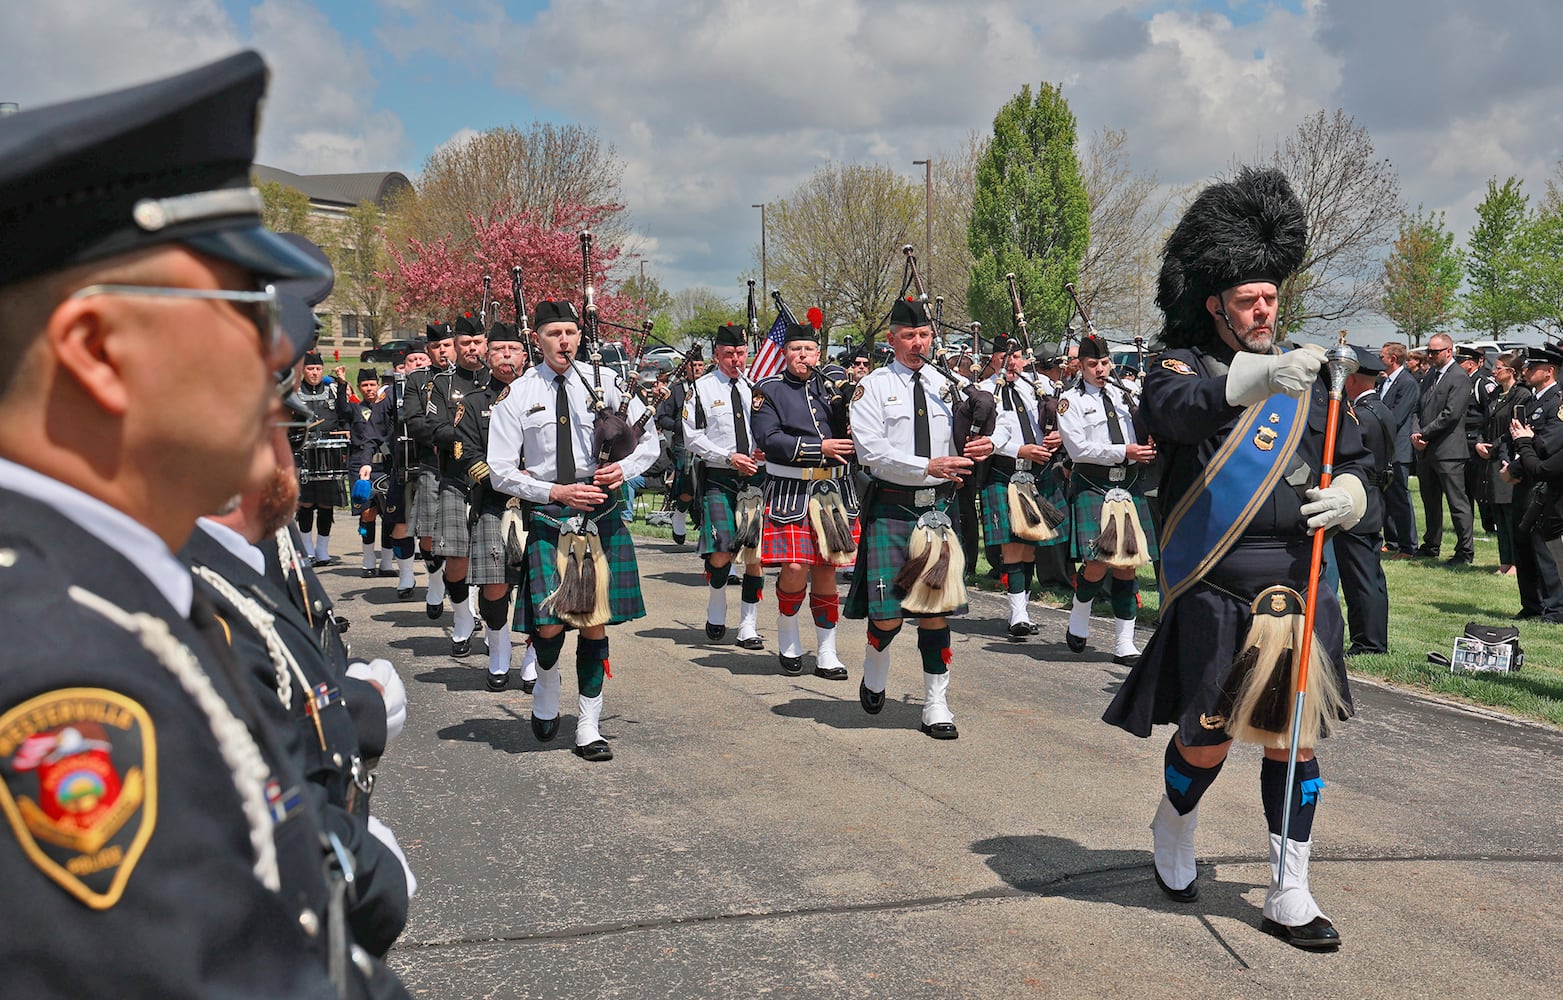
392	352
1492	348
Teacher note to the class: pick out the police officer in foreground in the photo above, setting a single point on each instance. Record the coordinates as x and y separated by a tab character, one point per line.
153	827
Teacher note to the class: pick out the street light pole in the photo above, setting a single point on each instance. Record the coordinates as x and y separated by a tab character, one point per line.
927	166
765	283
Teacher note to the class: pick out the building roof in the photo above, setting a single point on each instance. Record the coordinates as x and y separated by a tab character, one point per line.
340	190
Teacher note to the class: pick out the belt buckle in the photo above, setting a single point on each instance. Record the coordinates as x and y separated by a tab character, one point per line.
1115	474
923	497
1022	465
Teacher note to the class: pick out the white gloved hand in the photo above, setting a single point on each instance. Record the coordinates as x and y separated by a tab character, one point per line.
379	671
1340	504
1253	378
384	835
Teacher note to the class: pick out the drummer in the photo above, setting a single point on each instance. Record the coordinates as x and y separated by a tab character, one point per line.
323	459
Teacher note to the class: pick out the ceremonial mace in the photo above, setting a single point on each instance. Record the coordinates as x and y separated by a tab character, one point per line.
1342	361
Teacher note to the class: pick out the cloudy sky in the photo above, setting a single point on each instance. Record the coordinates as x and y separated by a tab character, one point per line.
715	105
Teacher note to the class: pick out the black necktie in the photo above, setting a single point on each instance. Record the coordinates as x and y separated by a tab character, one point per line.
1114	429
1028	433
924	445
740	430
565	462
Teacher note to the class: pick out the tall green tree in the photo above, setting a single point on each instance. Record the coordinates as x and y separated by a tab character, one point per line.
1541	256
1421	277
1495	297
358	254
285	209
1030	214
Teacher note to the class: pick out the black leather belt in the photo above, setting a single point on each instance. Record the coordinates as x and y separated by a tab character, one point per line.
912	496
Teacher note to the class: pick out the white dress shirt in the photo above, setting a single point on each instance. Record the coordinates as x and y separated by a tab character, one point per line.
883	429
1083	424
717	441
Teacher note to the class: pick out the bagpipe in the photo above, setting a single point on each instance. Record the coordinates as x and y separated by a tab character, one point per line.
829	382
1031	515
614	438
974	411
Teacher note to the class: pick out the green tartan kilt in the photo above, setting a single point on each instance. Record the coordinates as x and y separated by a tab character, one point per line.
541	575
1085	512
881	552
995	508
719	507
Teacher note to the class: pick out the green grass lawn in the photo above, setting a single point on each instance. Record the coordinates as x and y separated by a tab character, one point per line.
1429	605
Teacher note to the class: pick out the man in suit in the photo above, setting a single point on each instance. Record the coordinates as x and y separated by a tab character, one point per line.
1438	435
1357	549
1400	393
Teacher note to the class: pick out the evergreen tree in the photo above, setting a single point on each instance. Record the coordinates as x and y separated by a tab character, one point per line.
1496	298
1030	215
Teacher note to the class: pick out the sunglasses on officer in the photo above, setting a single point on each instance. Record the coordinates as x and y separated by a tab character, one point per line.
260	308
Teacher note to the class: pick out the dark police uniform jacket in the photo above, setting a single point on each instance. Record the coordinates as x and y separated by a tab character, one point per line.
790	418
133	871
447	394
1376	424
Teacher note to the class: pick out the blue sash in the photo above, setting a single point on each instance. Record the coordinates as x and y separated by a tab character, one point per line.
1215	512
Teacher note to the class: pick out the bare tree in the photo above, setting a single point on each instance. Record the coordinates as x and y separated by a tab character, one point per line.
1352	201
532	170
949	259
1128	217
835	242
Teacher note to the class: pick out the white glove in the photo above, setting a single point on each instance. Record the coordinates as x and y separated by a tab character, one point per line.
379	671
384	835
1253	378
1340	504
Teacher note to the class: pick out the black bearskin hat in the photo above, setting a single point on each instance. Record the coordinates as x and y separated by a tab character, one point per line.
1249	229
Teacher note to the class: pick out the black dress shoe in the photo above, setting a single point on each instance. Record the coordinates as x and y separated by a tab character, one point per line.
402	595
433	610
1364	651
1075	643
545	729
1525	616
461	647
498	682
1022	630
326	561
941	730
1317	934
528	686
873	701
753	642
1187	894
1459	561
792	666
678	539
715	632
831	673
370	574
595	750
1126	659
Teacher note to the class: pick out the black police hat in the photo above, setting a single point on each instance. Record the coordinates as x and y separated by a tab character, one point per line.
1368	362
549	311
437	332
164	162
1469	354
364	374
1546	354
729	335
1094	347
909	312
504	333
800	331
467	326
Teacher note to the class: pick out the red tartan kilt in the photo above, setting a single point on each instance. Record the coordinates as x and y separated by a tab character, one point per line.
793	543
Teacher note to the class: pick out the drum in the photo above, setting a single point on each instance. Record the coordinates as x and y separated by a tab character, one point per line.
323	458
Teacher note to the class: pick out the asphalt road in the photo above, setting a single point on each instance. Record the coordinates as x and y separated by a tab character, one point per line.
759	835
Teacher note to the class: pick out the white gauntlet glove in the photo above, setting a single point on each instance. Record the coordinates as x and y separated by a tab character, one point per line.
1253	378
380	671
1340	504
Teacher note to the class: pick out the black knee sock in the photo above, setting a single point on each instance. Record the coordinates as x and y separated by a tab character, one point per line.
1305	796
1122	595
1185	782
457	589
934	645
323	518
1088	590
366	532
494	611
306	519
1015	578
547	649
718	575
403	547
591	665
880	638
752	588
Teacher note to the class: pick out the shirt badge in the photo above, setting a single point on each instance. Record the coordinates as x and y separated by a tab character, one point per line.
759	400
1174	365
857	393
1063	407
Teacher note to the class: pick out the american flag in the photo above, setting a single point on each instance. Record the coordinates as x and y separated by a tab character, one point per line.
769	359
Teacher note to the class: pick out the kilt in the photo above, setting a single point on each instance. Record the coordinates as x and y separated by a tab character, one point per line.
994	500
323	493
540	576
781	544
1181	676
883	550
719	509
452	537
488	554
392	507
1085	514
426	505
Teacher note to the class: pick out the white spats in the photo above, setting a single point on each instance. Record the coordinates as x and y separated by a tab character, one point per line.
787	637
462	627
716	606
876	668
498	640
529	664
545	697
1080	619
935	711
680	523
385	561
1172	840
748	621
1123	637
368	556
436	595
404	574
322	548
1293	905
1017	609
586	727
826	658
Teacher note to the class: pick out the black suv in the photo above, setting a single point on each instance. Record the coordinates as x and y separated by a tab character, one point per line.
391	352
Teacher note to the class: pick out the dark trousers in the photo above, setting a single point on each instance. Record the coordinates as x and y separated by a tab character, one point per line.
1443	479
1399	515
1503	515
1476	489
969	526
1365	592
1535	570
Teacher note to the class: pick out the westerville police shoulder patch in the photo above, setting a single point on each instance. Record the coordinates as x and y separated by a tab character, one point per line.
759	400
858	393
80	788
1063	407
502	394
1174	365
